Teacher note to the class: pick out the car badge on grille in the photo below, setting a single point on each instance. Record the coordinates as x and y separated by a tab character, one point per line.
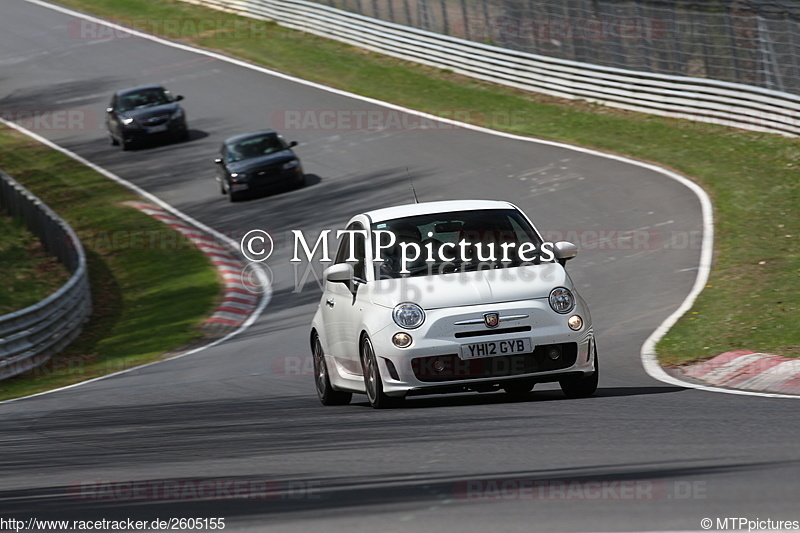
491	319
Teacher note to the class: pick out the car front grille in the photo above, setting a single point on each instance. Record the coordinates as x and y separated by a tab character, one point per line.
454	368
484	332
265	173
155	121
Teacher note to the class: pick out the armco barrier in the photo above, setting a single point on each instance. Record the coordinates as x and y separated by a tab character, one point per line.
29	337
698	99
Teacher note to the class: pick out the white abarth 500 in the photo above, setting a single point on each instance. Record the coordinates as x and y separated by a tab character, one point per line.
445	297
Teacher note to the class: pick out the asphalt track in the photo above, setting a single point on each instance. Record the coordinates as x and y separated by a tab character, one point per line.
639	456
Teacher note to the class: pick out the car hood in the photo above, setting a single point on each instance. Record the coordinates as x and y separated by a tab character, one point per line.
472	288
248	165
147	112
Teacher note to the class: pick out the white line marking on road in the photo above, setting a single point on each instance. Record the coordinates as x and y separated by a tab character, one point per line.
196	223
647	353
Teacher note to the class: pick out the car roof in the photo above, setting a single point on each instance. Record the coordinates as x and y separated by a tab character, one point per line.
424	208
243	136
139	88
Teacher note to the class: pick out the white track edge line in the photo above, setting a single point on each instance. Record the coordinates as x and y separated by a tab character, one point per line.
264	299
647	353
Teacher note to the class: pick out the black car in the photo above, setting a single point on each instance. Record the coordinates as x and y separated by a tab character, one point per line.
257	162
148	112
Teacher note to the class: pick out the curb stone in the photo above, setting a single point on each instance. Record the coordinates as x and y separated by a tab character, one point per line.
237	302
743	369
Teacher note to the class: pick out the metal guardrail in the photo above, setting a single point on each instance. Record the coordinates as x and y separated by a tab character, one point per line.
31	336
699	99
754	42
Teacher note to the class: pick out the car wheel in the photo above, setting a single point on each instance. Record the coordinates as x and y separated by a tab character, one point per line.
372	379
518	388
126	145
326	394
583	386
114	141
235	196
222	189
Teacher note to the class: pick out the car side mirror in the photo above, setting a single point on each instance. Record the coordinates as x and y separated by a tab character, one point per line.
564	251
292	144
109	110
218	161
339	273
178	98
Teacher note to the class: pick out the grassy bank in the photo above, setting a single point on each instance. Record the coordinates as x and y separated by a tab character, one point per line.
753	295
30	274
150	287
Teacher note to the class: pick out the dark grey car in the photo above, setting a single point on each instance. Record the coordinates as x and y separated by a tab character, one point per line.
145	113
261	161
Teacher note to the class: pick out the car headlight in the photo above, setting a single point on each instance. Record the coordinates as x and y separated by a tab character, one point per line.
291	164
408	315
127	121
239	176
562	300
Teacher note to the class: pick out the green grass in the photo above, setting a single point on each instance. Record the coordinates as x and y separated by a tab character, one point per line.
30	274
754	291
147	299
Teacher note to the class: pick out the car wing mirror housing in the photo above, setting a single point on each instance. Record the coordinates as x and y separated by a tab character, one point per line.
218	161
564	251
178	98
292	144
339	273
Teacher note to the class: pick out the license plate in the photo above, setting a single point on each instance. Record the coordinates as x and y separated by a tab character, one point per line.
494	348
157	129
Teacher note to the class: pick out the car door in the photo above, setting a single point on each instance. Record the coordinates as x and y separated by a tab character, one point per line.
341	305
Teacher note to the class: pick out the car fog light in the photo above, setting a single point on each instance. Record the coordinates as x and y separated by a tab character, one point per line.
438	365
402	340
554	353
575	322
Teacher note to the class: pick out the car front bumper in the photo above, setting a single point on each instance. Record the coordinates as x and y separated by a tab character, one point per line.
138	133
270	181
433	362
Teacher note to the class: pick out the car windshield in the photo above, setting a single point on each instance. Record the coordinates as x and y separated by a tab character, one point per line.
251	147
457	241
144	98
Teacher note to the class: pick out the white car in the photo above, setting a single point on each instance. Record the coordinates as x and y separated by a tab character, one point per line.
446	297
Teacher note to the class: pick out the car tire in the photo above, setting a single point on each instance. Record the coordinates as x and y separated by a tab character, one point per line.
126	145
234	196
114	141
518	388
372	379
327	396
584	386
